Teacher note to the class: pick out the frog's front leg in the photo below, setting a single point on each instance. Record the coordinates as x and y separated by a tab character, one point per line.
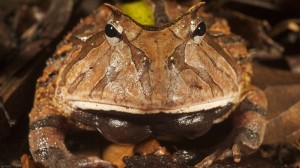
248	131
46	140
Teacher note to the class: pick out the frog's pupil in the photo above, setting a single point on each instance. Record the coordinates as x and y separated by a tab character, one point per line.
111	31
200	30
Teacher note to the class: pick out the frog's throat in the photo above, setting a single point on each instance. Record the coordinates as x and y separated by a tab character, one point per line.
85	105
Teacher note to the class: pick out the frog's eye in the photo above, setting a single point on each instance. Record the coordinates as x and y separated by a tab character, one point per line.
113	33
200	29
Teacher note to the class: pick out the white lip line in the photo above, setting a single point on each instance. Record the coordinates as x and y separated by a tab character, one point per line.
194	108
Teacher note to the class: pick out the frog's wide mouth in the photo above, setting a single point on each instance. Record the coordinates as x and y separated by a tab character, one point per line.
203	106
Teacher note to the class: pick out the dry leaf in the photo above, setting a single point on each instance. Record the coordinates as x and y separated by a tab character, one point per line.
115	153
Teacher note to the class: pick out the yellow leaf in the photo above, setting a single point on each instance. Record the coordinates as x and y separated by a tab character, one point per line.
139	11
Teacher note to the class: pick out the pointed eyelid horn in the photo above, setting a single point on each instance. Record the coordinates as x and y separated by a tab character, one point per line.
114	9
191	11
196	7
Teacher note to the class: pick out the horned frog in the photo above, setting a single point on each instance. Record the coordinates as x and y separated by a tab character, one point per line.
131	81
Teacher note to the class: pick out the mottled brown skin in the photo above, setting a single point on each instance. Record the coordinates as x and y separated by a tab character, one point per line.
148	81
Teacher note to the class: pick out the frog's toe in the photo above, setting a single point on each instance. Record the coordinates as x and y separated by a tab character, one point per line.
93	162
206	161
60	157
221	154
84	163
236	153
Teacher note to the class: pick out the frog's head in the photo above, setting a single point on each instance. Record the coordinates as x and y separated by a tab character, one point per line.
133	68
